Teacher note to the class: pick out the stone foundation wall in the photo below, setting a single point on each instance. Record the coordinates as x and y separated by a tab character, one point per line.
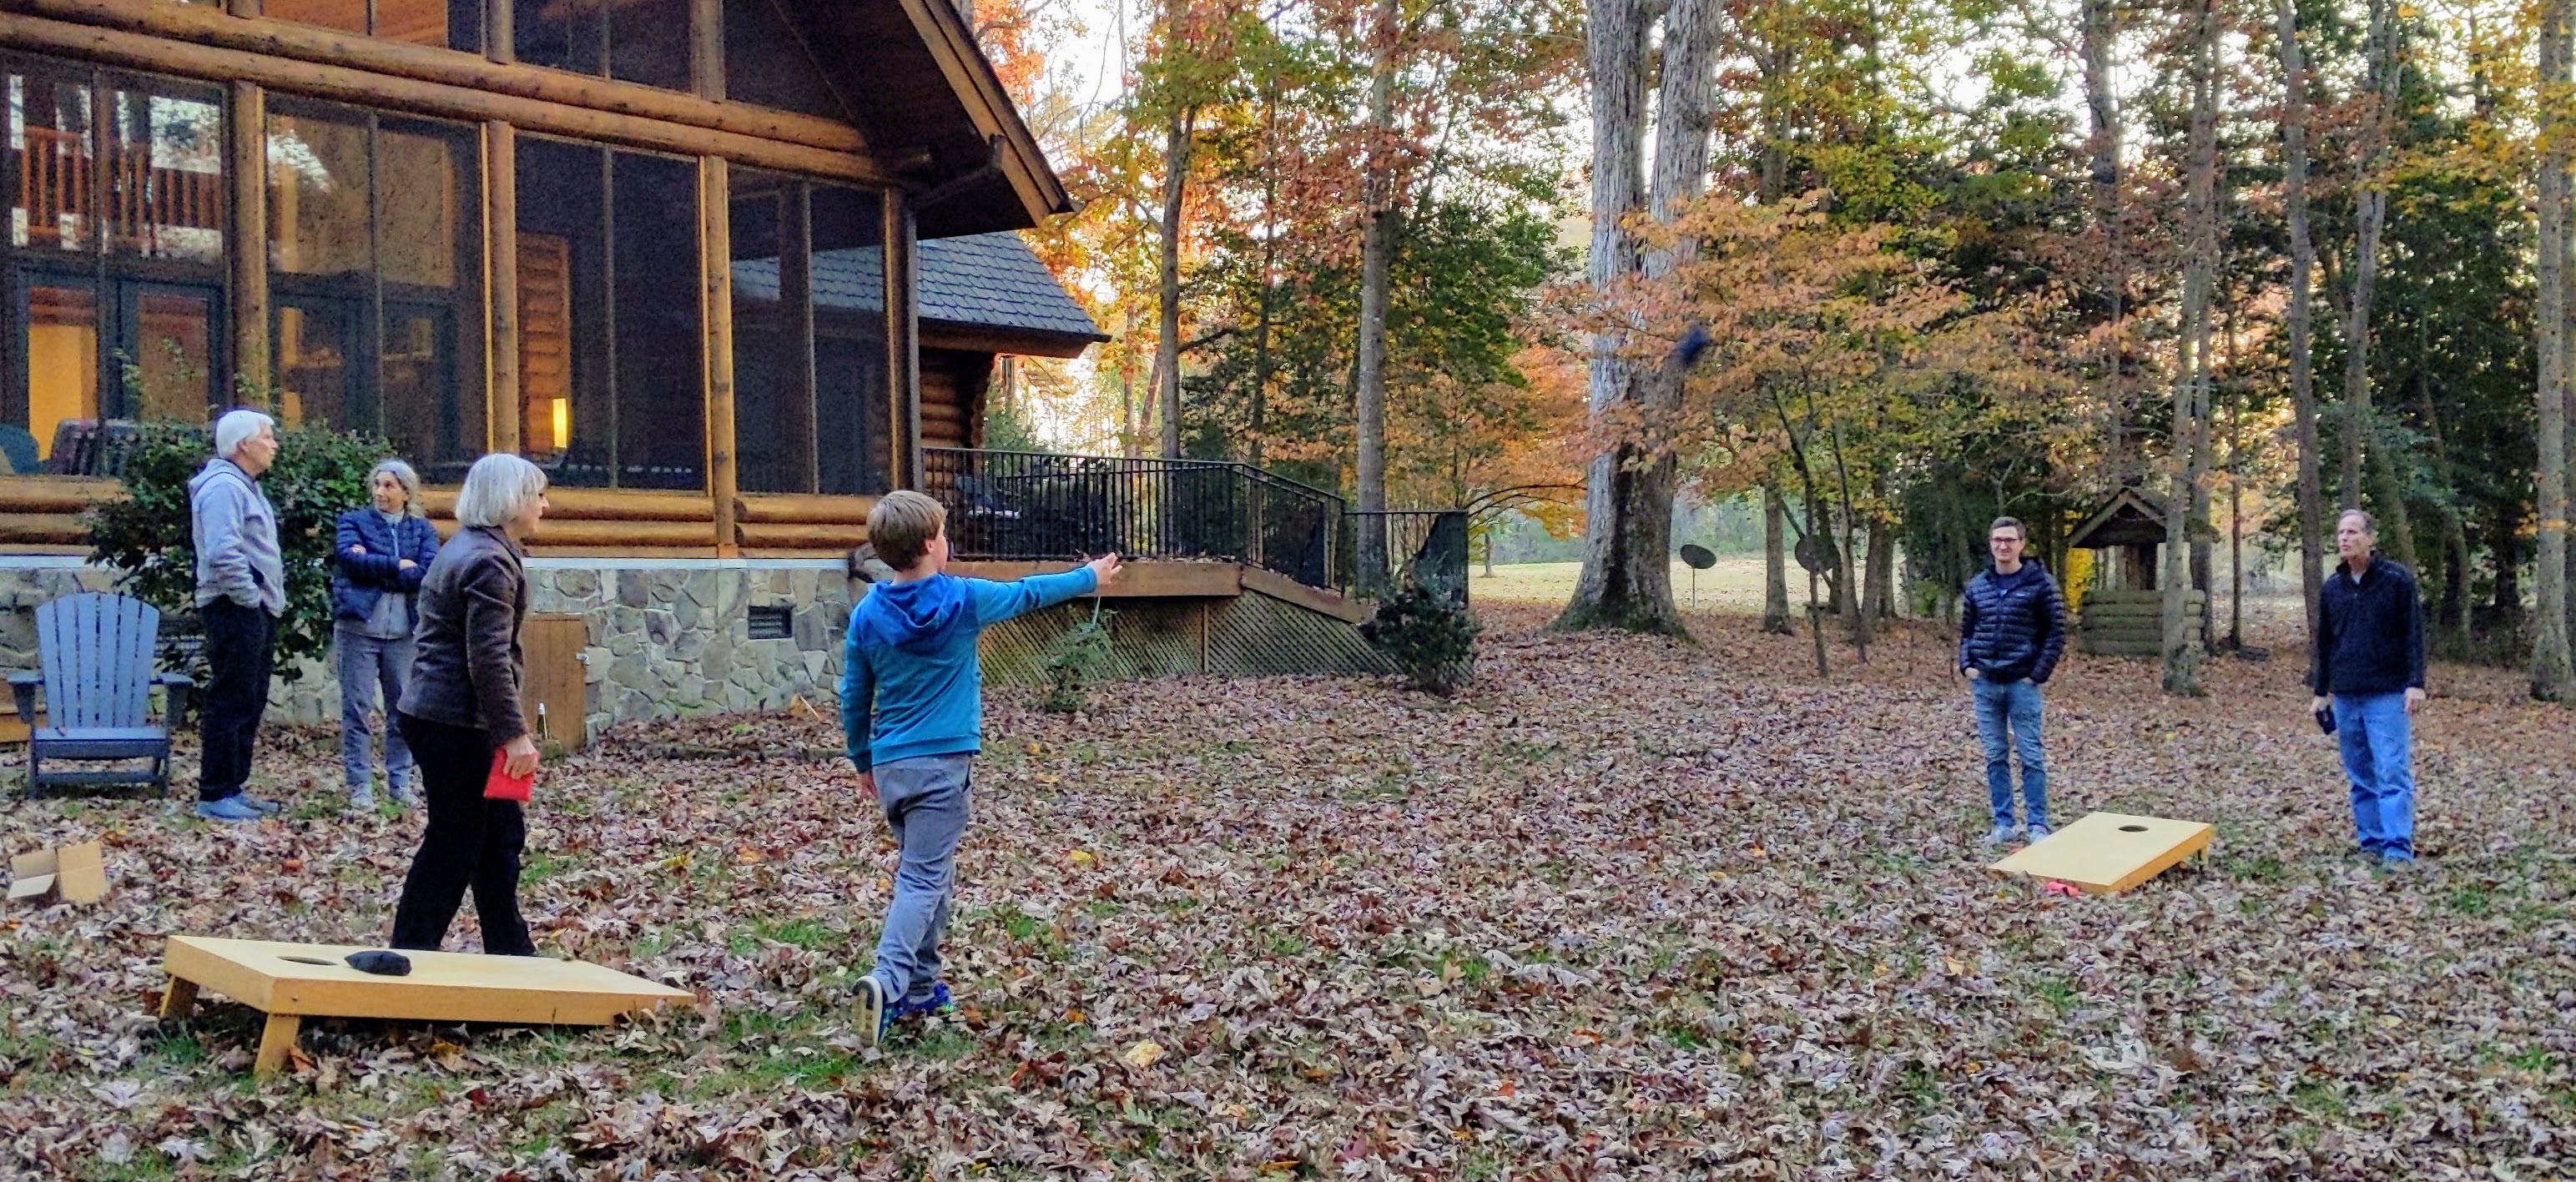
667	639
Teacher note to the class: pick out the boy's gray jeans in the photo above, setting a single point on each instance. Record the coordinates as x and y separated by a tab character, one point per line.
925	801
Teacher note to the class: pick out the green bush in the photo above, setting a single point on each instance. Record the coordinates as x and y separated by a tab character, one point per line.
1078	660
1429	634
147	537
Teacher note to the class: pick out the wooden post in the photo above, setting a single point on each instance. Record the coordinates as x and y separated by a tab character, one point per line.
503	412
500	31
706	48
247	164
796	334
903	352
715	257
243	7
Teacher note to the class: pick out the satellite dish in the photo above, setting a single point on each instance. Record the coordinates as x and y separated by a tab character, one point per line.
1698	557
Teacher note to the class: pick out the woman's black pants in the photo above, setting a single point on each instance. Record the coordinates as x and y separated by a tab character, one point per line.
470	841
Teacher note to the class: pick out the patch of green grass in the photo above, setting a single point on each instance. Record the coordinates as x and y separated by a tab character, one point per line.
2536	1059
2470	900
318	808
542	865
1484	1165
1921	1086
2255	868
1288	945
2060	994
1391	784
180	1048
801	932
2318	1100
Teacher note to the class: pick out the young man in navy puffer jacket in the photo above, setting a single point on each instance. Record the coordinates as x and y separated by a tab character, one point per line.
2012	629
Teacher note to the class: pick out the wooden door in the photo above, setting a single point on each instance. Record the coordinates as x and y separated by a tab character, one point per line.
555	700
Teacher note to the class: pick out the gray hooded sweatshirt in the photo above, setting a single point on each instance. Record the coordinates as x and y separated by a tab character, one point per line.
236	536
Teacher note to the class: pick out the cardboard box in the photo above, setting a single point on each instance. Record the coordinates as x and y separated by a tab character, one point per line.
76	873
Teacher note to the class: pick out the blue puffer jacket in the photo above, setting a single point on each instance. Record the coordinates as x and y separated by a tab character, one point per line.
359	580
2012	627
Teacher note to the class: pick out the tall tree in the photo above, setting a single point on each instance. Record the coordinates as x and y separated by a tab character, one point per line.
2183	651
2098	29
1627	564
1377	228
2551	675
2303	262
2370	218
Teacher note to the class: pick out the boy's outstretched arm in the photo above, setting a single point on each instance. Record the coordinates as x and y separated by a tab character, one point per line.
996	602
858	705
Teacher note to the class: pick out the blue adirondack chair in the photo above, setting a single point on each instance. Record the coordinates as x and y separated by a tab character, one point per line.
97	677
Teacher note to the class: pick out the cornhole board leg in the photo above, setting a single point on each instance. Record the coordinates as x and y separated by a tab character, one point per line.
276	1042
180	1001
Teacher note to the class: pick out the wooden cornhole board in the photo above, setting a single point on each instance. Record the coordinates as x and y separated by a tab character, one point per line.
2109	852
291	982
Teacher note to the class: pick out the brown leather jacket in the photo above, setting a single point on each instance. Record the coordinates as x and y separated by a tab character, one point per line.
469	666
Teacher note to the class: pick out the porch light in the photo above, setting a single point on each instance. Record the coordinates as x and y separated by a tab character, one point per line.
562	423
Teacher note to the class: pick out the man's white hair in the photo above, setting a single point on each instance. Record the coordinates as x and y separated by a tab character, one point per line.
236	429
497	489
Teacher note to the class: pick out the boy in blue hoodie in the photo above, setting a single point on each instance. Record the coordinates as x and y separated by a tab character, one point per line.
912	710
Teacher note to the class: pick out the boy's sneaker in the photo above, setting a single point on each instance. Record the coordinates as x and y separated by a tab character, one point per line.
2396	861
265	808
362	798
2039	832
937	1005
402	792
869	1013
229	808
2003	835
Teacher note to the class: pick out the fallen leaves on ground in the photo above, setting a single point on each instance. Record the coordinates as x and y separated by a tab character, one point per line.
1626	909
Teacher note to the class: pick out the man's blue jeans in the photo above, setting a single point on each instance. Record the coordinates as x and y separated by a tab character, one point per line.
2008	722
366	665
925	801
2378	753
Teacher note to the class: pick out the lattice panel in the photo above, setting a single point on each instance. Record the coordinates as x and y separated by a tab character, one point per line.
1252	635
1257	635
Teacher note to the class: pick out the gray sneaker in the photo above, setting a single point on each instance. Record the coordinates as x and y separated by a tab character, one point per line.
229	808
362	798
2039	832
403	793
2004	835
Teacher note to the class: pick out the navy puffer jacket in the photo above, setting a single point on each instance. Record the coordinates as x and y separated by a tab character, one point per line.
359	580
2012	627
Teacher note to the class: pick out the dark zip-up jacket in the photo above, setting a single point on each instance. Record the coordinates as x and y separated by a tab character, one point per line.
2012	627
469	666
2370	633
359	580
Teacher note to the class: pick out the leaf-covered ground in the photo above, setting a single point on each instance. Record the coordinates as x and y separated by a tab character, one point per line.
1625	910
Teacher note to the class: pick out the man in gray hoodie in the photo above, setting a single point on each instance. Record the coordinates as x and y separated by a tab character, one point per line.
241	592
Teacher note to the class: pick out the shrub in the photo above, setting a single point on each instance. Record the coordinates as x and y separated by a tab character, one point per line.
147	537
1429	634
1078	660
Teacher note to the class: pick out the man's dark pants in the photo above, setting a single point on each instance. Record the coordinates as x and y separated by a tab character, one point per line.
241	653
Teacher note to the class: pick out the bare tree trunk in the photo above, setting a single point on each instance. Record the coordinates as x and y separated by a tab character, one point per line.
2551	676
1627	564
1878	595
1375	242
2235	498
2370	199
2303	260
2454	610
2102	107
1775	565
2182	651
1177	137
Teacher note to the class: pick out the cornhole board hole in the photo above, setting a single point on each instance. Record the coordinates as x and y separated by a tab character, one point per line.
291	982
2106	853
76	872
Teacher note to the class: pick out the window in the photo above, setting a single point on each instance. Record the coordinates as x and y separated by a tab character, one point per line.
643	41
809	336
611	344
450	24
371	255
112	266
769	60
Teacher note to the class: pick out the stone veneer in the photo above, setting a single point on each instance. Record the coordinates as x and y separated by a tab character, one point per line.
667	637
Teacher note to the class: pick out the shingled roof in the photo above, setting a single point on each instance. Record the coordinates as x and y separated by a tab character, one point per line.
989	282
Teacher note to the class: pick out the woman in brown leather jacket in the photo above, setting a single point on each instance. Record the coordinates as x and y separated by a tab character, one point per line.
463	705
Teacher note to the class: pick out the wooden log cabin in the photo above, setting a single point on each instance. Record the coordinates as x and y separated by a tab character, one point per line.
727	269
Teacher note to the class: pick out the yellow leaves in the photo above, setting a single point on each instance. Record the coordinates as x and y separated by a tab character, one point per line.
748	856
1142	1055
676	862
1045	779
1953	966
1082	858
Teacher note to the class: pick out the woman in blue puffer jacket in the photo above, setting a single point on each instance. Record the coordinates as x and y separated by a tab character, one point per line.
378	560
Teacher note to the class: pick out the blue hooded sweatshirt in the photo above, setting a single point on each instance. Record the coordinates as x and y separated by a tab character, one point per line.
910	685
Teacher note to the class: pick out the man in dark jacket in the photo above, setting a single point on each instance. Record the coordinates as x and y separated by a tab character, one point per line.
2012	629
2369	668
